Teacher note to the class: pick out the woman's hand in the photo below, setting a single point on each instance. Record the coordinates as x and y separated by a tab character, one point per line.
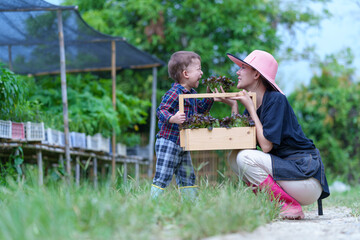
232	103
227	101
245	100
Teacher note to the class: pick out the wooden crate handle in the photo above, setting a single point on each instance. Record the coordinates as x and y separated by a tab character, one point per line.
207	95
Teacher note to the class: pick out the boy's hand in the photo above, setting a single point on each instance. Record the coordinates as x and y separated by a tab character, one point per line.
178	118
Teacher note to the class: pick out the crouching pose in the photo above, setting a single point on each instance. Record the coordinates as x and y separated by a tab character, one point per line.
289	167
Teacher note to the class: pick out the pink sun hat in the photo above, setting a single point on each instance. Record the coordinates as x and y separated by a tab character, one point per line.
262	62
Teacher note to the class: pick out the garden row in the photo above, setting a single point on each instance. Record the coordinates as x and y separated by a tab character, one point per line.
35	132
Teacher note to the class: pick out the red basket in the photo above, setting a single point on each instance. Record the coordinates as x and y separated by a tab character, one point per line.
17	130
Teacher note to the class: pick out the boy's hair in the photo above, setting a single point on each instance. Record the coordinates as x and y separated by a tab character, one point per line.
179	62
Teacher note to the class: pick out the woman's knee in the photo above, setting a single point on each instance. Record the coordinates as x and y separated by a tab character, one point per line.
244	159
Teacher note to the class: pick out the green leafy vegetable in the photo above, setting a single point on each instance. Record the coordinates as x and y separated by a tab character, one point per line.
215	82
207	121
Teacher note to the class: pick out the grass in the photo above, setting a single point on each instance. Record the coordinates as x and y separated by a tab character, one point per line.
60	211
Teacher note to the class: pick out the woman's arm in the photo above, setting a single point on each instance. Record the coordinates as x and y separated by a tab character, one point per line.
265	144
245	99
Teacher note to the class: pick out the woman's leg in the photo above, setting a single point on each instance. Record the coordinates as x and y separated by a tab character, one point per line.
252	166
306	192
255	168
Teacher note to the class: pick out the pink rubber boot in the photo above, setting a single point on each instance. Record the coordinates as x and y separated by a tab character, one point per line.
290	209
253	187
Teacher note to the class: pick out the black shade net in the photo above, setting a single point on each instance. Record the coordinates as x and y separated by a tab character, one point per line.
29	41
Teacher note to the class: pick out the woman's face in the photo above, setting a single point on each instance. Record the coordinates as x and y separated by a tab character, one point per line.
246	76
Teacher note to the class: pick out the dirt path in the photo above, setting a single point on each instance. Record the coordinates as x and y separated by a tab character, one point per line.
336	224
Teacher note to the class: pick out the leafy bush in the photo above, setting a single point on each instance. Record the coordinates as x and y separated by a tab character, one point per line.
90	106
329	113
14	98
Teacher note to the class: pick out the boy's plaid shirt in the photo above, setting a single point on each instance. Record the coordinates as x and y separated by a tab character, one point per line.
169	106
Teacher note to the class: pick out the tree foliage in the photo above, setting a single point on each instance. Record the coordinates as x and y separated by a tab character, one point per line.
329	112
14	98
210	28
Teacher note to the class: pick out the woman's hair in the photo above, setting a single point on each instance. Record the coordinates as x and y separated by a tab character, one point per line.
266	83
179	61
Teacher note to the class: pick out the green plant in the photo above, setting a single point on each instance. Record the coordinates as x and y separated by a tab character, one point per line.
90	106
207	121
217	82
14	102
11	168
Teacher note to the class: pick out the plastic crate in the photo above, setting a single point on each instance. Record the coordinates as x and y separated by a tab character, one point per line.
120	148
5	129
92	143
54	137
77	140
17	130
142	151
97	143
35	131
103	143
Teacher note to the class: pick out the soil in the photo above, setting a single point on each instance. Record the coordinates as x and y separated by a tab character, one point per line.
337	223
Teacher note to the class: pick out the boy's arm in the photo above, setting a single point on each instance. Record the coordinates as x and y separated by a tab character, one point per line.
205	104
168	107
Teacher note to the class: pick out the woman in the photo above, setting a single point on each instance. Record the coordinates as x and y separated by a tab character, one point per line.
289	166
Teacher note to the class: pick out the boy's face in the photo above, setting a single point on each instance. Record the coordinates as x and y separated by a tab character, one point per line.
192	75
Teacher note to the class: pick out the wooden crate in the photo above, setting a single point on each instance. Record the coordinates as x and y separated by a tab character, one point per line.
218	138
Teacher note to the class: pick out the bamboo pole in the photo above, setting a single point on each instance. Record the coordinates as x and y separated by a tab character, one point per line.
137	173
152	123
10	57
125	172
95	170
64	93
77	171
17	154
113	76
61	160
40	167
103	172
